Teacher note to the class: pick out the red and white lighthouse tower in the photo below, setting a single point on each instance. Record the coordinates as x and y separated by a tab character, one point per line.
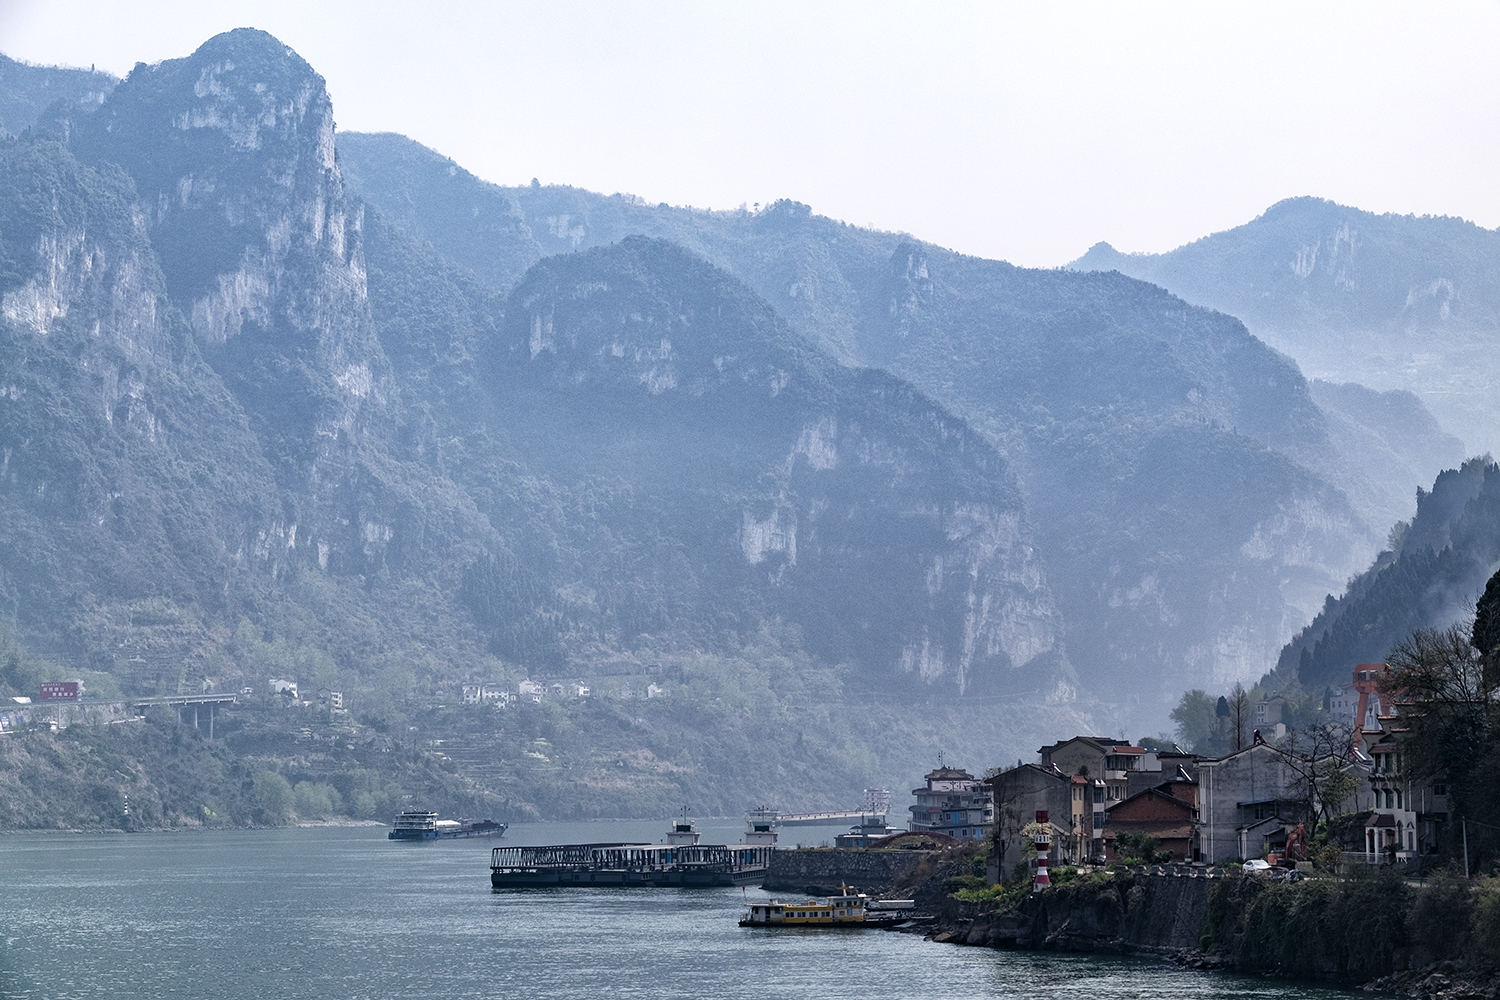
1043	842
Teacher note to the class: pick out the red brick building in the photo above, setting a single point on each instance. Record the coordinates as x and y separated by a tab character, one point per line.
1168	812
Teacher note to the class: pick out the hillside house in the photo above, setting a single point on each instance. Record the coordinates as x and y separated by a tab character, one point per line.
1168	812
1249	801
1268	711
1342	703
952	802
1018	794
1098	758
1408	812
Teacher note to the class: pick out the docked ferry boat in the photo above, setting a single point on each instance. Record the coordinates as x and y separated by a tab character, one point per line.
416	824
681	861
848	909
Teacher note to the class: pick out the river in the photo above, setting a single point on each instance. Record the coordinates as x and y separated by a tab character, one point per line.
340	912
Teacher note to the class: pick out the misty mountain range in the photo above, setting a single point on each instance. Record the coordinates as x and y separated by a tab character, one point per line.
1389	301
268	383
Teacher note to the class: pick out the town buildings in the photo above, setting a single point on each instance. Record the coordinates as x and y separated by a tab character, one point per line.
1094	791
1168	812
1018	794
952	802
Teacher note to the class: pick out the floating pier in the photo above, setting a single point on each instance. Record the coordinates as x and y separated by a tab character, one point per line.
642	865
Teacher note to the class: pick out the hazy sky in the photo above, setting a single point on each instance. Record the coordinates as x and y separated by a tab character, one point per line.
1021	131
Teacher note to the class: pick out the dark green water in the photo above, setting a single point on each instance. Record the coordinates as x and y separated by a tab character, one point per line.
344	913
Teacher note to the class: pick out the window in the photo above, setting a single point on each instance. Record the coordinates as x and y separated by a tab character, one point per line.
1398	798
1438	788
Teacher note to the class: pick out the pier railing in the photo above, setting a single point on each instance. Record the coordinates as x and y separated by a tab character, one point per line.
631	857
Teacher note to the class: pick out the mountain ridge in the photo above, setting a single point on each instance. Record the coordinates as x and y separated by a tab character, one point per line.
866	297
1390	301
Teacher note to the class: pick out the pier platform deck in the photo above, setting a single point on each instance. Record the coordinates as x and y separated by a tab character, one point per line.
629	865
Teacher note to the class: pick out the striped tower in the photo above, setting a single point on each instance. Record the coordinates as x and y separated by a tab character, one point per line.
1043	841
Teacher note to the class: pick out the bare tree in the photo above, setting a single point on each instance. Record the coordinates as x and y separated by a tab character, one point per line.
1438	667
1323	777
1239	715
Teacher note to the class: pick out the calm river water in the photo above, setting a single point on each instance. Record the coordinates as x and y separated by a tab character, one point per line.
343	913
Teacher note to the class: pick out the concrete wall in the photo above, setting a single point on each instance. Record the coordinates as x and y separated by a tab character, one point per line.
868	871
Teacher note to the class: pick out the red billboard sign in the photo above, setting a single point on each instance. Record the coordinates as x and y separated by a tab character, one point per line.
58	691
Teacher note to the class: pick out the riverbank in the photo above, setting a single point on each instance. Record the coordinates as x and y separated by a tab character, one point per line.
1370	930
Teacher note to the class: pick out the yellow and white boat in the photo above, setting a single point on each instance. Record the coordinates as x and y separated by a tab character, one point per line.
848	909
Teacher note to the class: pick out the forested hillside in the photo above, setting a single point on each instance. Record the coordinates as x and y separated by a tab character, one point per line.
27	91
1390	301
1192	501
251	428
1431	578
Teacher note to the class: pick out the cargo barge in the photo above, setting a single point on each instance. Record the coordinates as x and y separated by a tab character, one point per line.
415	824
682	861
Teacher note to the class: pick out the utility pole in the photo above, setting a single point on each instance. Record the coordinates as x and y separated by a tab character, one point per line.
1465	821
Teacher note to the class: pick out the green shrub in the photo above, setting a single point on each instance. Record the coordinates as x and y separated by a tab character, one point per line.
273	798
1487	918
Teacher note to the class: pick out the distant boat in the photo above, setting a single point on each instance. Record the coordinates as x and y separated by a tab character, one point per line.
416	824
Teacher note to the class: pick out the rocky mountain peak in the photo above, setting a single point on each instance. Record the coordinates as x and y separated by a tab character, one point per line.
232	153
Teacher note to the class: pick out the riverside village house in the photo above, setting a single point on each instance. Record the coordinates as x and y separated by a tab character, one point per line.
1242	805
953	803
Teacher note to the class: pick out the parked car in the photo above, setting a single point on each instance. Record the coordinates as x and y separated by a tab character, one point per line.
1257	865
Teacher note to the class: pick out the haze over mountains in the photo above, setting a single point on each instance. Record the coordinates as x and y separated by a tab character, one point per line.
280	399
1389	301
1090	387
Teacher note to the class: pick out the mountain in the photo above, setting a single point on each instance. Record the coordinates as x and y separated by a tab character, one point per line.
1432	578
1165	453
27	91
1389	301
251	427
1396	438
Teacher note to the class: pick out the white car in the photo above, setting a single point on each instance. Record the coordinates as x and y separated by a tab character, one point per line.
1257	865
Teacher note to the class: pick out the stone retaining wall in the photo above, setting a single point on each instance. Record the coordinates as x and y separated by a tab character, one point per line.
873	872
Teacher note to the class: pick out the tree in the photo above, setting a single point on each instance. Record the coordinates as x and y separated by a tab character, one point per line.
1141	848
1439	667
1444	687
1239	716
1196	724
1318	758
272	796
1485	635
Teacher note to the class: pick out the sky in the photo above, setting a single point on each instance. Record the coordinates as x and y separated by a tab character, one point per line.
1021	131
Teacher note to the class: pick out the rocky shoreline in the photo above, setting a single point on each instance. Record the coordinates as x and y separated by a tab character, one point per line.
1186	919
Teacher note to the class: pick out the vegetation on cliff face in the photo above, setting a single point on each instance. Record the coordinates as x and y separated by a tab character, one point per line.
1432	577
27	92
1353	929
251	429
162	774
1165	454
